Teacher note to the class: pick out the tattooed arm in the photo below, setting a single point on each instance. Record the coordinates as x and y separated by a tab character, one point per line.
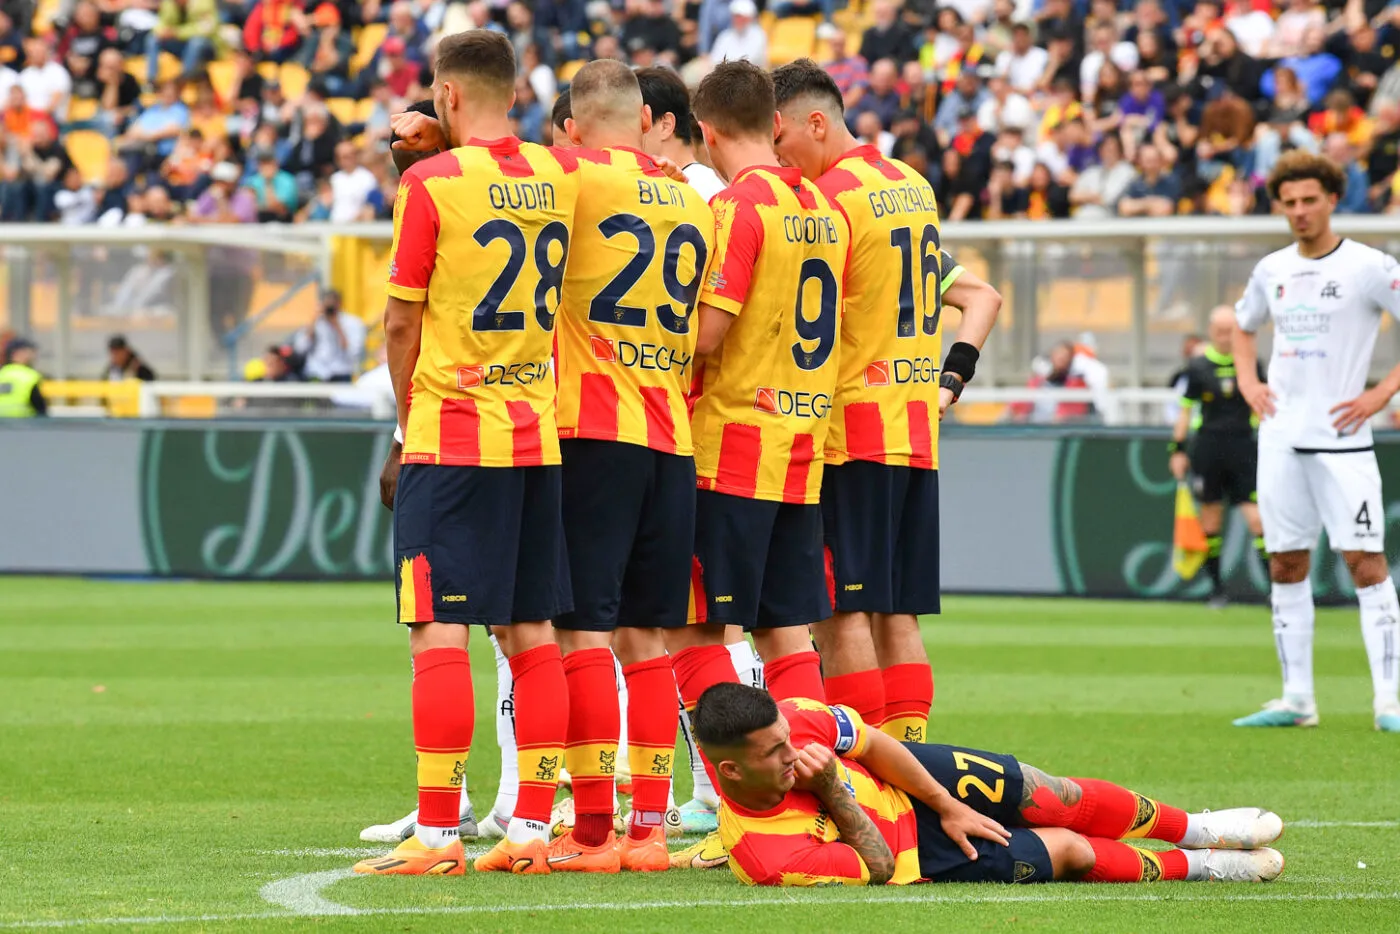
1065	790
816	772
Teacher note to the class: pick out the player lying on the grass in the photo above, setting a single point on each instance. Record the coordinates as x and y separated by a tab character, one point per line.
812	796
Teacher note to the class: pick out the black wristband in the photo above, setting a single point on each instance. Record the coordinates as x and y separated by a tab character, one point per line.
962	360
1175	447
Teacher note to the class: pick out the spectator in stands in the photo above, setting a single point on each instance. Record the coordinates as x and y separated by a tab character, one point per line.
1106	49
1143	107
405	26
996	36
224	202
124	363
1054	371
44	162
880	96
1148	16
332	344
1385	154
151	137
312	153
1153	192
186	28
744	39
327	51
206	114
118	92
1024	63
1002	107
649	25
1098	188
394	68
11	45
82	42
1364	62
541	77
278	366
848	71
868	131
21	386
1355	199
1156	59
75	201
1291	29
1340	114
969	94
562	22
528	114
1103	105
1315	68
274	189
888	36
1226	137
274	29
1283	127
319	207
47	84
247	80
1221	61
1176	136
1011	149
351	183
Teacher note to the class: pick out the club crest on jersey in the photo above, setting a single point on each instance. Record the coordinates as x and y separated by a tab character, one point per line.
1023	871
1332	290
603	349
878	373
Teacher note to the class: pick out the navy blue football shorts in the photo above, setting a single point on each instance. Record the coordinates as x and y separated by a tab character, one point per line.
480	545
990	784
760	562
880	524
629	520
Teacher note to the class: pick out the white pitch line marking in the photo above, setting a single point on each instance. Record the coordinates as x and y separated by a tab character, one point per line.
302	894
1342	823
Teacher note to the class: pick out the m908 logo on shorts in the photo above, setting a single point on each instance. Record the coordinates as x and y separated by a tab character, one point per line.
900	371
786	402
524	373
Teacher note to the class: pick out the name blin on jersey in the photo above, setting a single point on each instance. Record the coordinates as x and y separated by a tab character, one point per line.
522	373
641	356
663	193
901	371
773	401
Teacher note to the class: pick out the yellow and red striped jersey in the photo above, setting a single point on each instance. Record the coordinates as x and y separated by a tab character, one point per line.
886	407
626	339
797	843
481	233
760	420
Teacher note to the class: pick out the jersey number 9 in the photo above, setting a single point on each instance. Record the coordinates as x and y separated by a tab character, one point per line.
822	328
607	307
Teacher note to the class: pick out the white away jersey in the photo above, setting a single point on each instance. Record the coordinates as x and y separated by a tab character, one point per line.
1326	314
704	180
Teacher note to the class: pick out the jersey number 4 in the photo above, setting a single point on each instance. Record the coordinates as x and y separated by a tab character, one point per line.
607	307
903	239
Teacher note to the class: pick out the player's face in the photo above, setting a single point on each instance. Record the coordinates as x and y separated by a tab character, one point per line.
1307	206
796	143
769	761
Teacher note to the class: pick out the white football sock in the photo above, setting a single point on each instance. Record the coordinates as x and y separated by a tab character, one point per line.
435	837
1196	862
702	791
747	665
523	831
1380	619
505	736
622	731
1293	637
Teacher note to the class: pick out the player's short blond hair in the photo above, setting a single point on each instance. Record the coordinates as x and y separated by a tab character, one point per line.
604	91
1299	165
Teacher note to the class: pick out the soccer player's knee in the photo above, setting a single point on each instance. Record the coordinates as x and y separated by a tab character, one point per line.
1289	567
1071	854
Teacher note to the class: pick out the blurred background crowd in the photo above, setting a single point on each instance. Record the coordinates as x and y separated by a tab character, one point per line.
127	112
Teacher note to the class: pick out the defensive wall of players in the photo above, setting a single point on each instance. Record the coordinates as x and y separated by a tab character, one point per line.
1039	510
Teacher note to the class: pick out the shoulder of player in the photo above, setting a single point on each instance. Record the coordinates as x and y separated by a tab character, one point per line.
443	165
754	189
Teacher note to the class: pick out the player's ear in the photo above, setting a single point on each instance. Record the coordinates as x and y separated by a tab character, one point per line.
707	134
729	769
571	130
817	121
777	124
647	122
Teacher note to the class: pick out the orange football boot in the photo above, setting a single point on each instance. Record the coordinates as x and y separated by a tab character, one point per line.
412	858
523	859
566	854
647	854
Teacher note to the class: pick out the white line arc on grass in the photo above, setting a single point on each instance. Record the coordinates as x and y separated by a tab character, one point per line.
302	894
1342	823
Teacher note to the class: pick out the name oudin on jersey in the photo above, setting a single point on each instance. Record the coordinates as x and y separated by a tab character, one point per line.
521	196
906	199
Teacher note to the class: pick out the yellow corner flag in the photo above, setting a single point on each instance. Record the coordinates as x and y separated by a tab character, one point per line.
1188	538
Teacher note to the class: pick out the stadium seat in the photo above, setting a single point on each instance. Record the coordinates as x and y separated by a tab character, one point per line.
168	67
791	38
363	110
90	152
268	70
371	38
44	15
225	81
136	67
568	70
343	108
766	20
80	110
294	80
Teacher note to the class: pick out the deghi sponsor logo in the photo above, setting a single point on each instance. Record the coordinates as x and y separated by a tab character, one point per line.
643	356
522	373
901	371
773	401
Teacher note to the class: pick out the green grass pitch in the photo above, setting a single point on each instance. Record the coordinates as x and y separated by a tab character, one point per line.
174	755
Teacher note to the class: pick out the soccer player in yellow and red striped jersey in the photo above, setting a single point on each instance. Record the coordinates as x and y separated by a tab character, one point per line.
624	355
769	316
880	489
812	796
481	236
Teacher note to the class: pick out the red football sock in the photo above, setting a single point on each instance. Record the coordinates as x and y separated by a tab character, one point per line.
443	718
1119	862
541	725
652	719
795	675
698	668
591	751
1107	810
863	691
908	697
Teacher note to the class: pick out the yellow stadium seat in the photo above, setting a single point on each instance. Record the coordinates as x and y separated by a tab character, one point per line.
90	152
364	110
568	70
225	81
168	67
791	38
371	38
80	109
44	16
766	19
343	108
136	67
268	70
294	80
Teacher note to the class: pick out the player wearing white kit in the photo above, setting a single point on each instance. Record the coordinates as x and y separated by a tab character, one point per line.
1317	466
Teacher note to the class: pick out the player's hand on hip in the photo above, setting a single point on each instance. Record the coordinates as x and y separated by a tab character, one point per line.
1351	415
1260	398
1179	464
417	132
816	769
945	399
961	822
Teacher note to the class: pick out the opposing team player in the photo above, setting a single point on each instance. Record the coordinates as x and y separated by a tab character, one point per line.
879	492
812	796
477	520
769	318
673	136
1317	466
625	349
1222	455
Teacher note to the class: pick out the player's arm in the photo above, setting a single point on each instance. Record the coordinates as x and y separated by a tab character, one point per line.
415	134
816	772
714	324
1180	463
738	239
1350	415
980	304
1250	312
887	759
413	256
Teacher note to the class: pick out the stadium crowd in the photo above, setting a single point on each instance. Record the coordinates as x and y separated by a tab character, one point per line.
138	111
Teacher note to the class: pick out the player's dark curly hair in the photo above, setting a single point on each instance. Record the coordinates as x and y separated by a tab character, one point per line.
728	712
665	93
805	78
736	99
563	109
1299	165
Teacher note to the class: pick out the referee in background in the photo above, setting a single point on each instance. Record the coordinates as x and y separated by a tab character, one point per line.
1224	453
